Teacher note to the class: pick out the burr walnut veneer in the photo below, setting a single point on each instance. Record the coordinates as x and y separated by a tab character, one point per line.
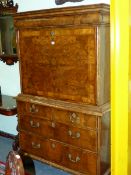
63	108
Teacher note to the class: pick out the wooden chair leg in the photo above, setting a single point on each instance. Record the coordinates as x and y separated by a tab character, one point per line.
14	164
17	164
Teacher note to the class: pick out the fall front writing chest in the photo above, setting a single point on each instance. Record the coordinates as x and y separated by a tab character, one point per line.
63	108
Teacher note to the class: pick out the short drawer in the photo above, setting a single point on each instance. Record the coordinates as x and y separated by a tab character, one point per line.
34	110
44	148
83	138
32	144
75	118
38	126
80	160
65	155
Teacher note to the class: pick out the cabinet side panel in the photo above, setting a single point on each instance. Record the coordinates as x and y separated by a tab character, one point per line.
105	142
103	65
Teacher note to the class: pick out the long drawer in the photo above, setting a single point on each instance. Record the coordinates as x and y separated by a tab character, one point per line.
60	153
73	118
84	138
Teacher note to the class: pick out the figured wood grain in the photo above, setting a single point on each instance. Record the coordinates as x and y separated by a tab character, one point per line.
68	67
65	81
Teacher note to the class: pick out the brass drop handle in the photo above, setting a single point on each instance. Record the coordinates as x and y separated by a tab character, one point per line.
74	118
34	125
53	124
53	145
77	159
36	146
33	109
52	34
75	135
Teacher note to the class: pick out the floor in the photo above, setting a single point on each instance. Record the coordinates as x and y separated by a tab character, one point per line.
41	169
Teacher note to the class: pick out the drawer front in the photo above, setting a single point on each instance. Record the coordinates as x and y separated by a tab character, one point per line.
66	58
76	119
80	160
65	155
86	139
32	144
37	126
36	145
34	110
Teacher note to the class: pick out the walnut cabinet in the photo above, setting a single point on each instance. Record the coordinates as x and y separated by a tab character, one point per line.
63	108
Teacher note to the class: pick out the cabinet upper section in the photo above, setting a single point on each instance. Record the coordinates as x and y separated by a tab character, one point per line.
64	53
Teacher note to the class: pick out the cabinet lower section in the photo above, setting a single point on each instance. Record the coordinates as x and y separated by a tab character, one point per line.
72	140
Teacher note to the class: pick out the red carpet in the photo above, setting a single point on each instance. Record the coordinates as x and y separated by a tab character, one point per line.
2	168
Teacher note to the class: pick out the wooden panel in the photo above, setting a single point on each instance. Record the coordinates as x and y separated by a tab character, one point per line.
103	61
76	119
68	67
